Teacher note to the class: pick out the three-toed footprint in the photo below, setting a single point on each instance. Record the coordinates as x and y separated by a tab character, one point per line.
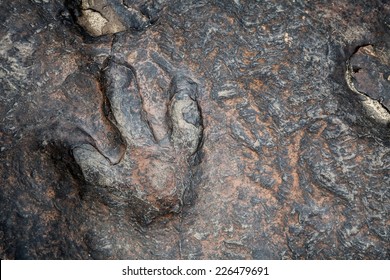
162	128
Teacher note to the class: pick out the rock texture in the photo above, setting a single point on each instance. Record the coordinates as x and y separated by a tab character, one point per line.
168	129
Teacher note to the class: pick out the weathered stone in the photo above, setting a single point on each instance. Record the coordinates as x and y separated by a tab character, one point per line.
102	17
368	75
194	129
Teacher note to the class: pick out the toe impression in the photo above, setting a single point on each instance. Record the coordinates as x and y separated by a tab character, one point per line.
186	120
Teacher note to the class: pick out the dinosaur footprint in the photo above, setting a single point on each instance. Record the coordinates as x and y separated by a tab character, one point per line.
150	180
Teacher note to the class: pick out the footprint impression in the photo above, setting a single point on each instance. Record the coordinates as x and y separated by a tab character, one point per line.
155	108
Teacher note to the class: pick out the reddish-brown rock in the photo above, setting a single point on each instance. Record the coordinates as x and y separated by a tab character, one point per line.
194	130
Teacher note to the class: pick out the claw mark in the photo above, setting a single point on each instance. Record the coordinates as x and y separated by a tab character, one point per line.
185	115
124	95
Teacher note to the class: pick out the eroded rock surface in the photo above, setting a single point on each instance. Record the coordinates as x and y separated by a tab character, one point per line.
194	130
101	17
368	75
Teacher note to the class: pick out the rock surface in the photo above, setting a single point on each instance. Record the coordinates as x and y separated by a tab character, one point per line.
168	129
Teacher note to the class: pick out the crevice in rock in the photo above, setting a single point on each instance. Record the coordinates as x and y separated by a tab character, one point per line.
374	107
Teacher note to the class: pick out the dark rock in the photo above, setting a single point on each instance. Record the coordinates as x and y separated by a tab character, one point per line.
370	70
194	129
